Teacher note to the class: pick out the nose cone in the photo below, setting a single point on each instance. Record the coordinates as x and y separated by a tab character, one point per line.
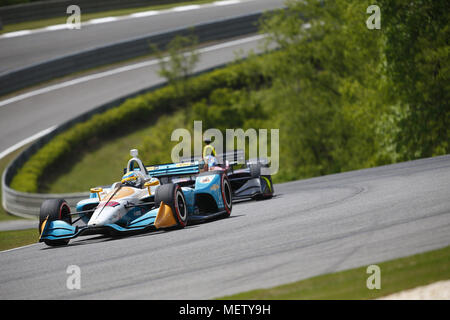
98	219
96	222
104	216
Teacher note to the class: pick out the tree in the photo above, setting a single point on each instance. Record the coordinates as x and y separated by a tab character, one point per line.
179	64
417	50
327	85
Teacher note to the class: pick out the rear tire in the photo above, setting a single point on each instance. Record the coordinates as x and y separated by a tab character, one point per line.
227	195
172	195
54	209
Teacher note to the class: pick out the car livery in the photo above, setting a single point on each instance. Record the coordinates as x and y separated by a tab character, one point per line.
159	202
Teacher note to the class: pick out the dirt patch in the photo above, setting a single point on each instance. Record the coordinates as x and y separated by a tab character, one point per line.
436	291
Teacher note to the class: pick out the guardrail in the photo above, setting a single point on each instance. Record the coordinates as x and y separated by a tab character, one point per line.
124	50
57	8
27	205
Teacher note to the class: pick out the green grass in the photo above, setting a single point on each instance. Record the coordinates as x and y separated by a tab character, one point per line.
14	239
88	16
100	167
105	164
396	275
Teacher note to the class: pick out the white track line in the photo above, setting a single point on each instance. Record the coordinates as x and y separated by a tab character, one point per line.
118	18
226	2
56	27
26	141
17	248
186	8
144	14
16	34
117	70
103	20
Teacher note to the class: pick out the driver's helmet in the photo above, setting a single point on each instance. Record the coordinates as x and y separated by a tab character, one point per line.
211	161
132	179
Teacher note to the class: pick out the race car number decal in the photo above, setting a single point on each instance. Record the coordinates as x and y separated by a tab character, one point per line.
109	204
112	204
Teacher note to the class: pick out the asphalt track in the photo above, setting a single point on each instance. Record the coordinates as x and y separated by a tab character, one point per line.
313	226
31	112
23	51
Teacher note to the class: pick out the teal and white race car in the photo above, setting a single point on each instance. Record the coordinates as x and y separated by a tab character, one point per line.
147	198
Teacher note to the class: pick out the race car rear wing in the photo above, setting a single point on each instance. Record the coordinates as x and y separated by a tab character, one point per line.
174	169
233	157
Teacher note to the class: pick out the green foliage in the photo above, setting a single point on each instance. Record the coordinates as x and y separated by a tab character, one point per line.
226	108
327	87
180	63
157	145
417	50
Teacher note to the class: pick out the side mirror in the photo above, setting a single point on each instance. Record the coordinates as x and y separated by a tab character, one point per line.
149	184
97	191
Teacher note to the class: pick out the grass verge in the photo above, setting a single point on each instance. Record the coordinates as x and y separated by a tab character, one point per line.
101	166
396	275
89	16
17	238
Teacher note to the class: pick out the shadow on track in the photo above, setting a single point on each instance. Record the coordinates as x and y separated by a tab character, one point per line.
108	237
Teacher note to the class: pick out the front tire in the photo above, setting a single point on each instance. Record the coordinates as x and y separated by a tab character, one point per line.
52	210
172	195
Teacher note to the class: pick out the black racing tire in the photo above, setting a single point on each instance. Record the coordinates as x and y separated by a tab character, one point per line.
227	195
172	195
54	209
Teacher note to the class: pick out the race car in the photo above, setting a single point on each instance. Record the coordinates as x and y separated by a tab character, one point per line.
249	182
146	198
246	177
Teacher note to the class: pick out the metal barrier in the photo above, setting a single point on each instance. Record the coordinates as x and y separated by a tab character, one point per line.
57	8
117	52
27	205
